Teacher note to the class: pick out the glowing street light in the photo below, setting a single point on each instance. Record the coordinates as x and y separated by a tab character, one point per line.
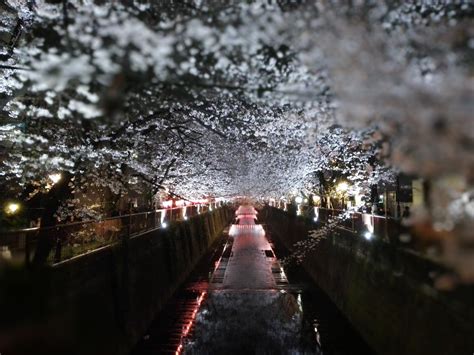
368	235
316	214
162	219
342	187
167	204
12	208
299	201
55	178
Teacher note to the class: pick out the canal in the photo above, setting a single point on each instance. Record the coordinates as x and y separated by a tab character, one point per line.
240	300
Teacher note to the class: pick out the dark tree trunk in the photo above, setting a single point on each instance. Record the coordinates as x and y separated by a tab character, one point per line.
427	193
48	237
374	194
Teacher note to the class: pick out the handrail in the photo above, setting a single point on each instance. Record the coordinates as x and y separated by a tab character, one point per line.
367	225
76	238
357	212
93	220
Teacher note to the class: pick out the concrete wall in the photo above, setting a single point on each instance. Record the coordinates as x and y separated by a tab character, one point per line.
103	302
386	293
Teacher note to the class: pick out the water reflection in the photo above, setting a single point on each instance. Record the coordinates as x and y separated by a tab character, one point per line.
207	316
251	322
248	310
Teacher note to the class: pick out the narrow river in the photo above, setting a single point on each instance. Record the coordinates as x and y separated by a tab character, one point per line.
239	300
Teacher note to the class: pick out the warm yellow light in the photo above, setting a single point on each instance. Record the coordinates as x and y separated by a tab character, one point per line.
342	187
55	177
316	198
12	208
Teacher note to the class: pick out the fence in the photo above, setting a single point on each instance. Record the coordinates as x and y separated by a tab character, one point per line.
368	225
72	239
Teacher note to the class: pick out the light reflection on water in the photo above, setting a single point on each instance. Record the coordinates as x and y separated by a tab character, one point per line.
250	322
301	320
330	330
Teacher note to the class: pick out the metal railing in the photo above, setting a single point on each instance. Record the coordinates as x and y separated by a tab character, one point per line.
368	225
73	239
386	228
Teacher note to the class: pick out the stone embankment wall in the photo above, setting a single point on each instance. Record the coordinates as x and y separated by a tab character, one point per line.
387	293
104	301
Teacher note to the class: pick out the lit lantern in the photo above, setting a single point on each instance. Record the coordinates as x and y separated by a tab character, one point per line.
55	178
342	187
162	219
316	214
12	208
167	204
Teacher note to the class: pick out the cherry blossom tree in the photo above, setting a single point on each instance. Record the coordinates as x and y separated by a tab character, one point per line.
222	99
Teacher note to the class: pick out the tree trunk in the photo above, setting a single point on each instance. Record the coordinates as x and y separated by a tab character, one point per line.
427	193
48	237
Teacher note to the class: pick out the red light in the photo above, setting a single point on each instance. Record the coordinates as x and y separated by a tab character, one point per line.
167	204
188	326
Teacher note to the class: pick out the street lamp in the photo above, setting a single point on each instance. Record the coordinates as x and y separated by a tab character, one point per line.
298	201
342	187
55	178
162	219
12	208
368	235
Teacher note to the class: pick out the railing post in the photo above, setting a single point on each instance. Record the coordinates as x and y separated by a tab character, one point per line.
58	249
27	249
